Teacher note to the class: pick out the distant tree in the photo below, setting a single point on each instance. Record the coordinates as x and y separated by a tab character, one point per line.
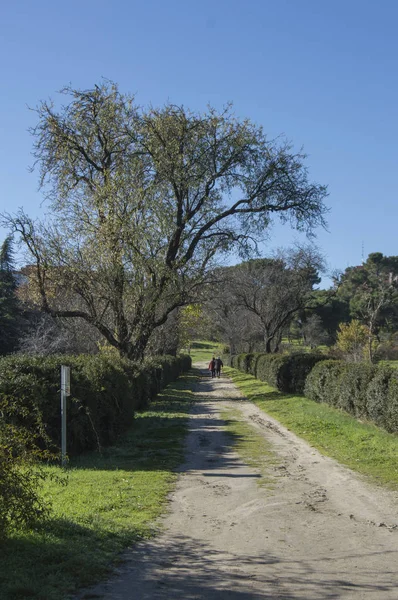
332	309
313	331
190	319
233	325
10	314
352	339
142	203
259	298
372	290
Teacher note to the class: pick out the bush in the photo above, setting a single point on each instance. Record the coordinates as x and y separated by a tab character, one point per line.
267	368
106	390
353	384
294	370
234	361
377	396
227	359
323	382
363	390
392	403
21	470
286	372
352	339
387	351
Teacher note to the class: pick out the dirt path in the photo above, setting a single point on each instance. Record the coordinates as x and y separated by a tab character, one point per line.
320	533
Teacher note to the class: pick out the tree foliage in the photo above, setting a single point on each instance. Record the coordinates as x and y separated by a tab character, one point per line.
144	200
191	318
352	339
372	291
10	314
22	460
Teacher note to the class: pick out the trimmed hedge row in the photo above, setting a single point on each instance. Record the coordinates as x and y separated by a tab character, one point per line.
105	393
365	391
286	372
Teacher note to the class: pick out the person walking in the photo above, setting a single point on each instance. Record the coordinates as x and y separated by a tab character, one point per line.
218	364
212	367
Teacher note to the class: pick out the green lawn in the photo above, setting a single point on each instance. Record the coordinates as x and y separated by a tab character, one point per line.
389	363
202	351
110	501
363	447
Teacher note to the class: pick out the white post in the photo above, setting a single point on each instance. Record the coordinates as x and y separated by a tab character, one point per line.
65	391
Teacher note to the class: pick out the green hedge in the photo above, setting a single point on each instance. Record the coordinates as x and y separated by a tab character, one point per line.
286	372
106	391
353	386
379	394
365	391
323	382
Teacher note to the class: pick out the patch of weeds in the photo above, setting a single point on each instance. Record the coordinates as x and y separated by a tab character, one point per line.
251	446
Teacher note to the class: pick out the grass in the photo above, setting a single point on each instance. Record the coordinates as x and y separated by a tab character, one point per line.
110	501
251	445
389	363
363	447
202	351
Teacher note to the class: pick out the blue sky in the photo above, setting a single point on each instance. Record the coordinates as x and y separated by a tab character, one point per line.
323	73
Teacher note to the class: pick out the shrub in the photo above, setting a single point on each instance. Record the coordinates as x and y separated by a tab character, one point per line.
377	396
234	361
387	351
267	367
354	383
323	382
392	404
240	362
106	391
227	359
21	470
285	372
294	369
352	339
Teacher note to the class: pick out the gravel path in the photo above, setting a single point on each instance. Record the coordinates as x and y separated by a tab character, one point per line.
321	533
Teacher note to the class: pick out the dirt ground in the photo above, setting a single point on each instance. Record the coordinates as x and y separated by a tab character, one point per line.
321	533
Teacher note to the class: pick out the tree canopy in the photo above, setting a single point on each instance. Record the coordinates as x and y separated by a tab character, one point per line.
372	292
143	201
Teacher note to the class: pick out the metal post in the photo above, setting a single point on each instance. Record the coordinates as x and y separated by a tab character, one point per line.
65	391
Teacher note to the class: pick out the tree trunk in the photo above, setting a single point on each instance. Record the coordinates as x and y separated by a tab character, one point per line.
268	347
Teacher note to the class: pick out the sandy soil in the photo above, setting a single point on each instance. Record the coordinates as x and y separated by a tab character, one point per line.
320	533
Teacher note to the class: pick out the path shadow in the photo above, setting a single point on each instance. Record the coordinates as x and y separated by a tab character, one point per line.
184	568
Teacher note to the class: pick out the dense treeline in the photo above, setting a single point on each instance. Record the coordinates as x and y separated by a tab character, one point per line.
269	304
274	305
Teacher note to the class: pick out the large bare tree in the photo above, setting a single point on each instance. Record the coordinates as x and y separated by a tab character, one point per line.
143	201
